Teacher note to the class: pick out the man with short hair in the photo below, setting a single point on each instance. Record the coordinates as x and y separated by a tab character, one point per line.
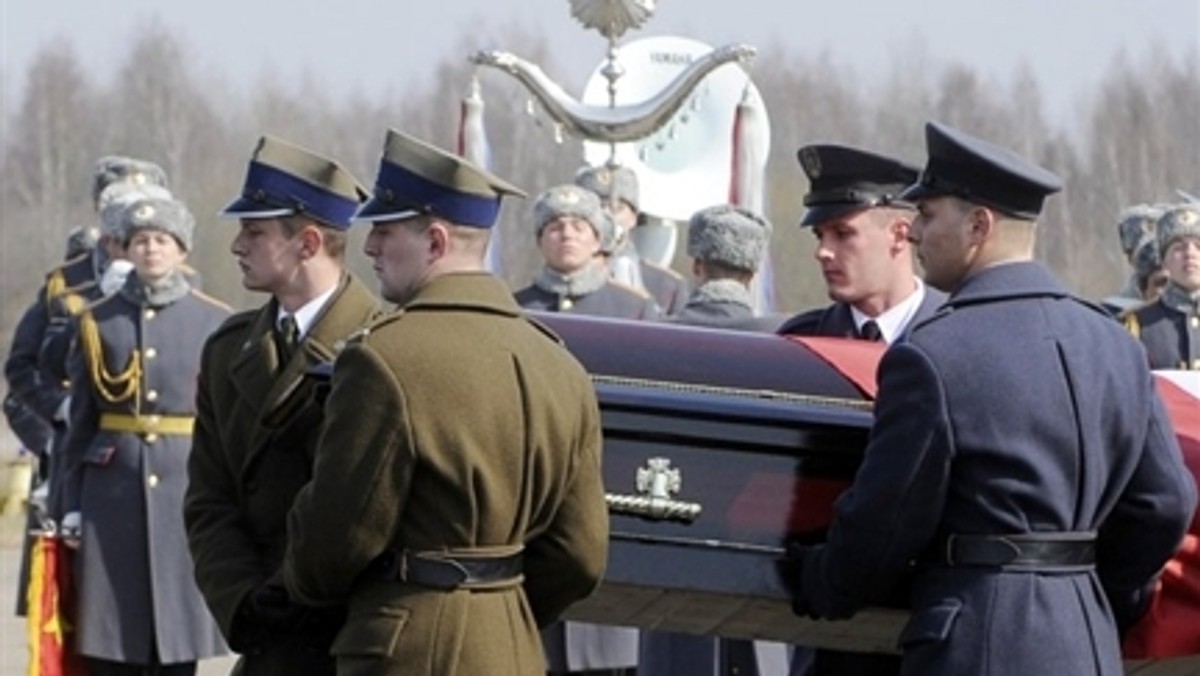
1021	468
258	414
456	503
619	194
1169	327
862	229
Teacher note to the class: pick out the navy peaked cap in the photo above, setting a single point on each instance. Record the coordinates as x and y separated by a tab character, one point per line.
843	180
981	172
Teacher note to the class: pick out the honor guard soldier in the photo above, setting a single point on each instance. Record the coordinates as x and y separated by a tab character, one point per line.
456	503
727	245
1021	467
619	194
259	415
1135	228
571	227
36	402
133	398
1169	327
862	228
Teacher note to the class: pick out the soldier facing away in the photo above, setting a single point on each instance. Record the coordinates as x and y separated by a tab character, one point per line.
456	503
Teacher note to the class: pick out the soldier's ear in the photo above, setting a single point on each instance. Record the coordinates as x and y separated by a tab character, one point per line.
311	240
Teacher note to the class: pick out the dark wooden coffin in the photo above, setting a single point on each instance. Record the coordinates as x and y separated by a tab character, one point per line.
720	448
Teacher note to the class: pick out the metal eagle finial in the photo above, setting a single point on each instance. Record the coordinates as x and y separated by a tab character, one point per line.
612	17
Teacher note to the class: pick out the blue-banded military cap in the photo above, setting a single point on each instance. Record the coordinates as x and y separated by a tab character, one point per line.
729	235
284	179
112	169
843	180
418	179
981	172
612	184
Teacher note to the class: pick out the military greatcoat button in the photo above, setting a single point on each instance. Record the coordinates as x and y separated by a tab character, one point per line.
151	438
152	395
152	480
1196	322
149	313
151	353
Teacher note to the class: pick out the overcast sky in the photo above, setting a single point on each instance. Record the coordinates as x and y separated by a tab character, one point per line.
358	44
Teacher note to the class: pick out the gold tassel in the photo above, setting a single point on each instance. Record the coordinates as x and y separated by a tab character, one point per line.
114	388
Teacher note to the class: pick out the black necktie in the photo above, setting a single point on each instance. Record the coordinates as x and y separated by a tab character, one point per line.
287	336
870	331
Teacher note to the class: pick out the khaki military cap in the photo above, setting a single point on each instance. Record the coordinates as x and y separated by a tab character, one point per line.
416	178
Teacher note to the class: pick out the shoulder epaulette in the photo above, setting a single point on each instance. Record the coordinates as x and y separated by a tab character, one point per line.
1131	321
360	334
210	300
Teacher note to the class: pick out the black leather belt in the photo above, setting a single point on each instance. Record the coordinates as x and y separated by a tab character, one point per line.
1024	551
439	570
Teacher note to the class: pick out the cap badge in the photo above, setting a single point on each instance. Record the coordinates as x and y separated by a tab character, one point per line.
143	213
810	159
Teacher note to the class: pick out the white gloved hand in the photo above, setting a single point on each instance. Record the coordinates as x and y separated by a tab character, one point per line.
63	412
114	275
72	522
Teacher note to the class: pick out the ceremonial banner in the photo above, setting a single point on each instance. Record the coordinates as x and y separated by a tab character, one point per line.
50	618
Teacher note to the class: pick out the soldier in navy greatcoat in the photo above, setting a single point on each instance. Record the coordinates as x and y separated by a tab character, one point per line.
133	389
1021	466
1169	327
862	228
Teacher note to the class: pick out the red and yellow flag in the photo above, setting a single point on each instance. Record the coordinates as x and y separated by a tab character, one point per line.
50	616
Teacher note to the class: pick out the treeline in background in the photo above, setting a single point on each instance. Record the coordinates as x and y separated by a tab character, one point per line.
1136	138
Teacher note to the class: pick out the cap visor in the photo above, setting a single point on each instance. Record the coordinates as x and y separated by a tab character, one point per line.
246	208
917	192
377	210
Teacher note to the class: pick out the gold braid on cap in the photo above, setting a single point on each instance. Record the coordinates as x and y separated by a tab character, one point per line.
114	388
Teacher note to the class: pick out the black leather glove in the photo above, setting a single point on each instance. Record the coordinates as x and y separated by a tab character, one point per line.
268	616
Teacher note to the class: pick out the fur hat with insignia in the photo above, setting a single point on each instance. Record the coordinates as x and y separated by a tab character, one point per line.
610	183
571	200
118	169
729	235
419	179
1137	223
1179	221
156	213
115	198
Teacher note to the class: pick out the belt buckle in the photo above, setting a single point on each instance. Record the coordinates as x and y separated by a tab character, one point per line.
950	548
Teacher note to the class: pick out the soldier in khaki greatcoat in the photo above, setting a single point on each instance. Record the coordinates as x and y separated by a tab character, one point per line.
133	393
456	503
257	417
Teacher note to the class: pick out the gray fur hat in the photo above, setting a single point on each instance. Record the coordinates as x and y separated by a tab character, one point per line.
1136	223
610	183
729	235
572	200
1179	221
115	168
169	215
1147	258
115	198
